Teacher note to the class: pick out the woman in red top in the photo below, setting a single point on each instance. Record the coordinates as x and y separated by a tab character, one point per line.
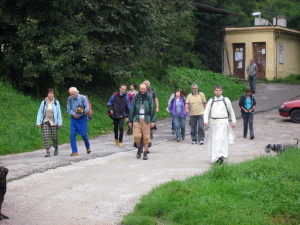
132	92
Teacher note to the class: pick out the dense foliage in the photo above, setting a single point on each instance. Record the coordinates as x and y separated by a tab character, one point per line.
82	42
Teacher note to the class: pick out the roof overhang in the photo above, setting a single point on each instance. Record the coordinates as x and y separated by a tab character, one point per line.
210	9
262	29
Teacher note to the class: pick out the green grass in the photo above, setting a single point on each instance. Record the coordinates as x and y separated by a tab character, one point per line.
18	131
292	79
262	191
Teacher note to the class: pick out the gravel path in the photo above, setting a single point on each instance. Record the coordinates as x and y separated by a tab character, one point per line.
101	190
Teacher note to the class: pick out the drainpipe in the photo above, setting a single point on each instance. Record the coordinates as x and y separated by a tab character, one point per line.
276	65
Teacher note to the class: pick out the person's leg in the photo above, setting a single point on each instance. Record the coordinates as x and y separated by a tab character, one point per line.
254	84
245	122
201	134
182	125
177	127
73	132
250	82
145	127
137	133
46	137
54	134
250	120
173	124
116	124
193	124
120	124
82	130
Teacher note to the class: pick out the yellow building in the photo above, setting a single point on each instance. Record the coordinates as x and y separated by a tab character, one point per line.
275	50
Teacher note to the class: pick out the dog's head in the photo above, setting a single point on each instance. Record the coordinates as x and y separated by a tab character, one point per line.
79	110
269	148
3	173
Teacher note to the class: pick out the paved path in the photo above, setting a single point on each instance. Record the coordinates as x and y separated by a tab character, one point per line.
268	96
103	189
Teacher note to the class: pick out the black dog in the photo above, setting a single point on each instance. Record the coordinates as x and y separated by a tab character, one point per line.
3	174
279	148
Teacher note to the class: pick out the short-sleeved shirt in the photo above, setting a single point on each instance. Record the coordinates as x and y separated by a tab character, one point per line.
196	103
152	92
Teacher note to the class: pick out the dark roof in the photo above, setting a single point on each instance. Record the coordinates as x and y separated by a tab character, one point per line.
210	9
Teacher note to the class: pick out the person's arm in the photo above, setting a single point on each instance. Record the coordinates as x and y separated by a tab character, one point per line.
231	112
256	69
170	108
187	105
69	106
207	112
157	104
241	103
40	114
111	103
152	113
59	117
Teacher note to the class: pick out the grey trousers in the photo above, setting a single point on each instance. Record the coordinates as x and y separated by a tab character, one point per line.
197	126
248	120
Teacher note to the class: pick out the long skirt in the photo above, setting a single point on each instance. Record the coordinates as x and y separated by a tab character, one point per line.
220	137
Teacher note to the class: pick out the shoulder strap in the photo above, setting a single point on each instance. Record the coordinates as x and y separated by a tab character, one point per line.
226	106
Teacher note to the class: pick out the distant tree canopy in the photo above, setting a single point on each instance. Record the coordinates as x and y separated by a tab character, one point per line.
63	42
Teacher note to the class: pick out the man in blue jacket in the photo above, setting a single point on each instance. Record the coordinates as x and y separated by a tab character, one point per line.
78	108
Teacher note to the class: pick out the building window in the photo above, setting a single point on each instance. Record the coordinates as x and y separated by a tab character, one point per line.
281	53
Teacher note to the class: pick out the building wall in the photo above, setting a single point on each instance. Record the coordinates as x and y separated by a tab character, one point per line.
272	38
291	55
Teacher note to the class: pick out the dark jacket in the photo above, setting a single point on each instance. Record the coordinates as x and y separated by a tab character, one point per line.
119	104
242	102
137	101
172	107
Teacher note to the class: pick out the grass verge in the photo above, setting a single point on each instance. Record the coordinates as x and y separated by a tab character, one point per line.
19	134
292	79
261	191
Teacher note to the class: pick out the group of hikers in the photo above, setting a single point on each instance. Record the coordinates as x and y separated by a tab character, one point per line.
138	108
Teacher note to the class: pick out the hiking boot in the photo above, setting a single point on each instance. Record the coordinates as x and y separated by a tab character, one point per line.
182	138
178	139
145	156
48	154
139	153
252	137
120	144
173	131
74	154
56	151
201	142
117	141
88	151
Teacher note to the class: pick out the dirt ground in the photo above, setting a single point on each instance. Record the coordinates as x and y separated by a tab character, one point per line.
103	190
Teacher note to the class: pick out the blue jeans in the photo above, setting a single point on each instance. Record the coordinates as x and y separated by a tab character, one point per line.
78	126
179	125
252	82
194	121
248	120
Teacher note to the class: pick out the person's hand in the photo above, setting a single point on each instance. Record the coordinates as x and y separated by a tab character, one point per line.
76	116
126	119
233	125
206	123
59	126
187	111
112	112
152	124
130	124
157	110
38	126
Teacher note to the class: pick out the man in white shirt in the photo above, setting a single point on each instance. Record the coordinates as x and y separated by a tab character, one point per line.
217	113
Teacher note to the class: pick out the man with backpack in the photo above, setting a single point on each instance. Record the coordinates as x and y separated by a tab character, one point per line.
78	108
217	113
142	117
119	107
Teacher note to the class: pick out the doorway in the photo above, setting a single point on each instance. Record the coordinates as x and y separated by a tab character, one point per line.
259	57
239	60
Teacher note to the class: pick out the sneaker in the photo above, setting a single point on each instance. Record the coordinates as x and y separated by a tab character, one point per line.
252	137
88	151
201	143
194	142
178	139
56	151
120	144
145	156
48	154
117	141
74	154
139	153
148	152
